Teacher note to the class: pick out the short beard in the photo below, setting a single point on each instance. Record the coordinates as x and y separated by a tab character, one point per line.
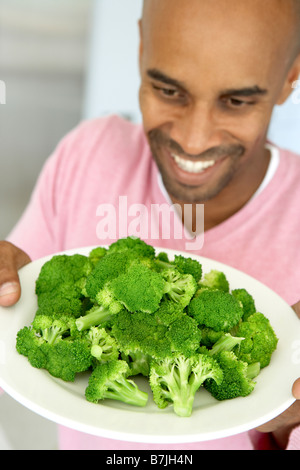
186	193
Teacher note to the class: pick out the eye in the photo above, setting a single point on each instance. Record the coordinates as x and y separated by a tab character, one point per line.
168	92
237	103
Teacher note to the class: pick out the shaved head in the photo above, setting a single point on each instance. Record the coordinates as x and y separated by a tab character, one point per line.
285	13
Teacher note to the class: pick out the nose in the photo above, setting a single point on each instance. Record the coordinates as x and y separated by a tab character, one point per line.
196	129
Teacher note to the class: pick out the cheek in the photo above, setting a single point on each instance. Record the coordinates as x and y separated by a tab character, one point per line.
155	113
251	129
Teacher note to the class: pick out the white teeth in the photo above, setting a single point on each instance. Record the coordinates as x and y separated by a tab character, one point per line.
192	167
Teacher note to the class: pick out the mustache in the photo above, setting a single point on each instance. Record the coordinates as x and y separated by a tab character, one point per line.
157	137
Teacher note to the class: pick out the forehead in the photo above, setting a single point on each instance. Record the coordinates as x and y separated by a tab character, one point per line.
252	35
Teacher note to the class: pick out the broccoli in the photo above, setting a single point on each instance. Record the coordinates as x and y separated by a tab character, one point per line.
139	289
247	301
140	332
179	288
63	269
237	378
103	346
110	381
96	254
48	346
66	359
124	311
107	268
216	309
60	283
260	340
183	265
215	280
135	245
157	335
55	327
120	278
176	380
30	345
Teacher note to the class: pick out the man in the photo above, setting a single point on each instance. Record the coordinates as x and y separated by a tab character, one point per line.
211	74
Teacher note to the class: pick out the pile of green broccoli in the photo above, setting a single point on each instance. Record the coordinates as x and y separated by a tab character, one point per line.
125	310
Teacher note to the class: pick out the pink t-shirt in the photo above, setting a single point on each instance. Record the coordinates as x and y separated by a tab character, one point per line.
101	184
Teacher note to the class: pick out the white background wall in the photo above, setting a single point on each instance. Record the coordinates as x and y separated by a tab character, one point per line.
112	76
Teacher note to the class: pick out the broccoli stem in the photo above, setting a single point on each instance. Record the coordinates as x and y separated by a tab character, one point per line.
179	391
126	391
225	343
51	334
95	317
96	351
163	264
253	370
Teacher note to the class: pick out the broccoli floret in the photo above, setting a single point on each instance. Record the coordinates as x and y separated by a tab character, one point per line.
67	300
63	269
140	332
30	345
184	335
107	299
156	335
183	265
65	359
107	268
47	348
60	283
110	381
103	345
51	329
215	280
133	244
216	309
139	289
260	340
236	381
179	288
176	380
97	253
247	301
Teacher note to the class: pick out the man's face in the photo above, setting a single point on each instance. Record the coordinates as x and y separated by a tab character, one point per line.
211	73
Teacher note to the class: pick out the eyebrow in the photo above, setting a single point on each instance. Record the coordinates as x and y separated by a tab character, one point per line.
161	77
247	91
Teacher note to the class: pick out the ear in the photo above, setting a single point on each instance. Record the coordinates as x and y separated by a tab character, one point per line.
289	84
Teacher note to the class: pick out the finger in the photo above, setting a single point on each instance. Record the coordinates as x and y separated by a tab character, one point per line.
296	308
11	260
296	389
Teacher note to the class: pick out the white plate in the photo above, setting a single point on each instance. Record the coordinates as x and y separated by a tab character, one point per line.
65	404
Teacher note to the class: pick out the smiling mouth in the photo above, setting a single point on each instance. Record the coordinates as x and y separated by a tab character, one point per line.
192	167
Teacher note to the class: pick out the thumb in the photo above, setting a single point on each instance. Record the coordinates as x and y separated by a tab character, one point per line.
11	260
296	308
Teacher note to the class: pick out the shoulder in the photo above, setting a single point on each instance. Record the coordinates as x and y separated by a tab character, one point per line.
289	158
109	131
102	141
